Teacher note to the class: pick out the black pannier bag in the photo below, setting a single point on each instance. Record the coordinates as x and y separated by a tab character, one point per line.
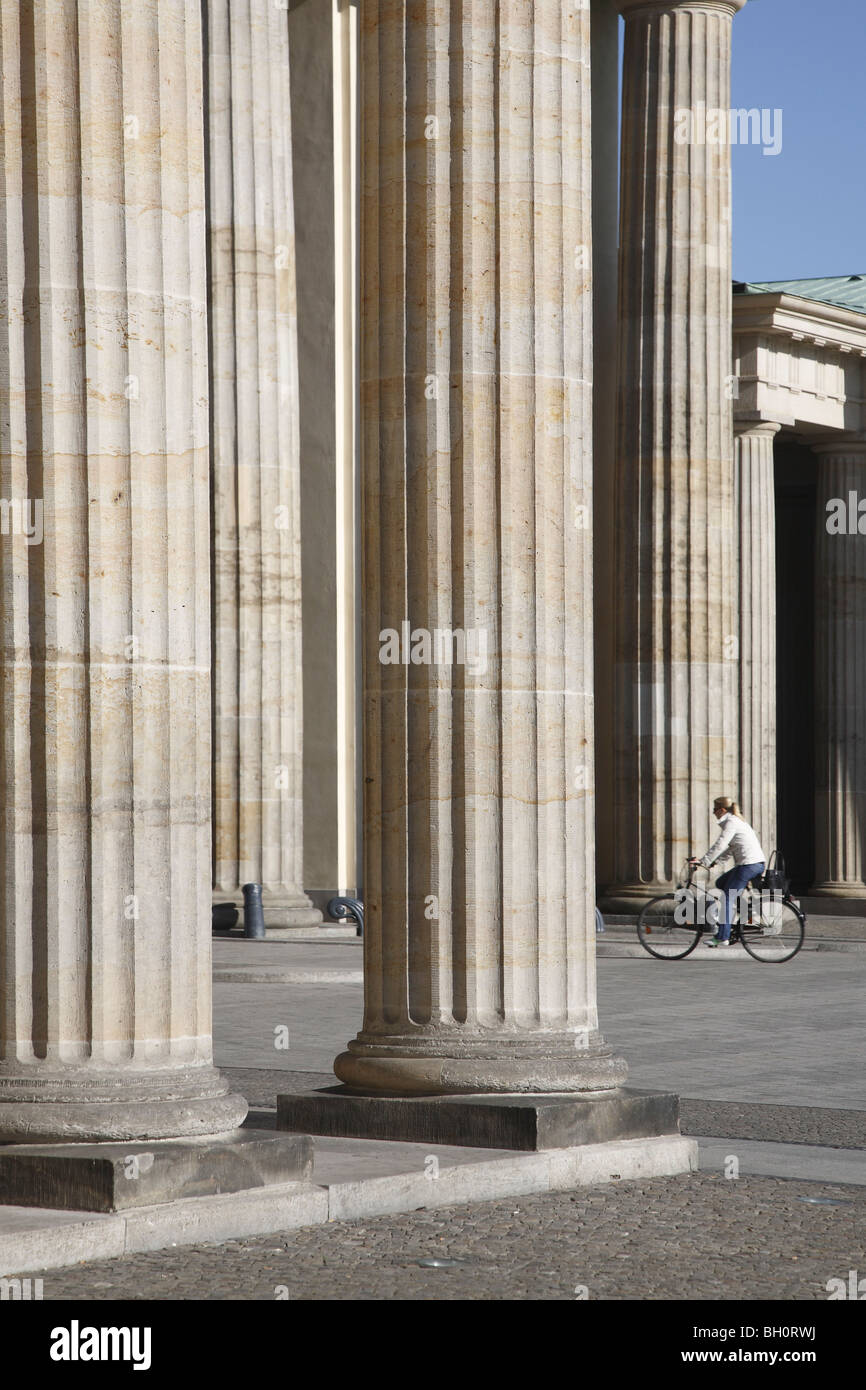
775	878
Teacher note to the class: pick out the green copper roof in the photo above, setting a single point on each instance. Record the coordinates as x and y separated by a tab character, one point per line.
848	291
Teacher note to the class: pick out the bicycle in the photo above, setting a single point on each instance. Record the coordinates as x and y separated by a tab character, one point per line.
770	926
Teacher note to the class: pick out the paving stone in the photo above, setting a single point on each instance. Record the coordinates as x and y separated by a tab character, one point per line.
786	1124
693	1236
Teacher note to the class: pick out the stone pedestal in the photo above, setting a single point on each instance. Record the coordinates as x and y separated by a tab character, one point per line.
676	642
258	697
476	424
755	570
484	1121
840	672
118	1177
104	644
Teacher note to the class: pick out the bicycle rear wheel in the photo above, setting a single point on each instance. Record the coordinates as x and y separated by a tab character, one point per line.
776	934
659	932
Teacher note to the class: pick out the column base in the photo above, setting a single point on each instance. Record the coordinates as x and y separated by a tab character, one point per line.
536	1065
116	1177
281	911
283	916
631	897
830	889
83	1106
519	1122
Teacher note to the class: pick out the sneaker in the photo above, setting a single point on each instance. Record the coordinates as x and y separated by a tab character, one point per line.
714	941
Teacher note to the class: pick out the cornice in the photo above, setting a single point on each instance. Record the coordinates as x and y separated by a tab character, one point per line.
631	9
791	316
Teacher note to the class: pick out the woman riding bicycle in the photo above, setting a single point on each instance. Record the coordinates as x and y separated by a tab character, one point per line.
739	839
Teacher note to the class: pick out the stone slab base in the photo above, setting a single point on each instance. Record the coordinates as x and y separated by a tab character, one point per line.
32	1240
116	1177
294	934
830	907
518	1122
282	975
327	931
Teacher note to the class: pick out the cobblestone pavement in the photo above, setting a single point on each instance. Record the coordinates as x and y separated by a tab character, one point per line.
785	1124
693	1236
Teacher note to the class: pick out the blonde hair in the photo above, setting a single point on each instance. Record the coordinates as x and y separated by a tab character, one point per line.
729	805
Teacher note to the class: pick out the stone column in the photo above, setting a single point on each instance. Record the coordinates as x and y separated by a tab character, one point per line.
755	509
258	691
605	237
105	768
476	407
676	632
840	671
322	47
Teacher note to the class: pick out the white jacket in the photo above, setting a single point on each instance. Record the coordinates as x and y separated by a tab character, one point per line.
737	838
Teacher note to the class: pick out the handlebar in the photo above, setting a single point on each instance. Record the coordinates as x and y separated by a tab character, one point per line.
690	870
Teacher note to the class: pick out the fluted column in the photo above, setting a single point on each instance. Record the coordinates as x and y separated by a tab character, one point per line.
755	509
258	690
840	671
605	239
105	769
676	632
476	426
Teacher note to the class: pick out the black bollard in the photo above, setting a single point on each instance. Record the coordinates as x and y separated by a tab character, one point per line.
254	917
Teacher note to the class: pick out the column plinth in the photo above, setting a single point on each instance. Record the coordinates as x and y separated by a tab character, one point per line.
476	414
105	1022
676	633
840	671
258	691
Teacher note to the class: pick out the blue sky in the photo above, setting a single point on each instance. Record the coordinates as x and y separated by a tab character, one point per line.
802	212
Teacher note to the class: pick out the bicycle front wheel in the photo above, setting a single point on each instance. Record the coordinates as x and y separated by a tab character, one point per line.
776	934
661	933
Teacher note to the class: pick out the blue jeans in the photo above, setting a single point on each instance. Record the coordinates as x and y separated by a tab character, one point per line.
732	883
